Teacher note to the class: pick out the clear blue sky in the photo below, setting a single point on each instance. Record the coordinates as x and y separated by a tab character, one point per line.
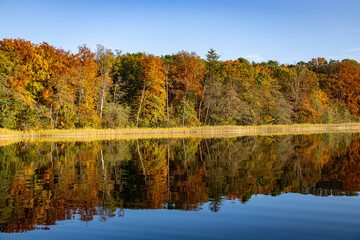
283	30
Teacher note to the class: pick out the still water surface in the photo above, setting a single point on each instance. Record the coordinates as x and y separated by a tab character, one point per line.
272	187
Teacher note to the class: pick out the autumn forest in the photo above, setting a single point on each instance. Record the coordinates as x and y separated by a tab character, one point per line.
43	87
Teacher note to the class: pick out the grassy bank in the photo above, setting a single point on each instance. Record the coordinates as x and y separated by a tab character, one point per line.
186	131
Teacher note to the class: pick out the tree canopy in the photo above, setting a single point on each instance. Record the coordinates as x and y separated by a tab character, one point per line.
43	87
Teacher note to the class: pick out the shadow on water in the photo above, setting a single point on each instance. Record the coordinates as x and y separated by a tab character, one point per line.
44	182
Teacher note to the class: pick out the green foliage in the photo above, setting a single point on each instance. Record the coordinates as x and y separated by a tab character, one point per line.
337	114
7	102
126	72
115	116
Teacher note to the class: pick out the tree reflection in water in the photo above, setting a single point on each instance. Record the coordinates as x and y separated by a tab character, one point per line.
44	182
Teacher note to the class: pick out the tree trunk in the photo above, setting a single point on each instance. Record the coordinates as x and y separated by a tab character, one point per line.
65	120
183	118
207	113
200	109
57	116
102	102
51	119
141	101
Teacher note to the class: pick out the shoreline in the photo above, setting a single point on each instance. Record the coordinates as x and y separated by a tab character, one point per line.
213	131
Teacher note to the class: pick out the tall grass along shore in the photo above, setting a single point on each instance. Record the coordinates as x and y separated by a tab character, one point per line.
185	131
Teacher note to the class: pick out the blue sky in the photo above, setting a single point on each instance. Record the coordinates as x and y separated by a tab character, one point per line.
285	30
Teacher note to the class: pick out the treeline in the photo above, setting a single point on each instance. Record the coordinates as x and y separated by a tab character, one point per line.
42	87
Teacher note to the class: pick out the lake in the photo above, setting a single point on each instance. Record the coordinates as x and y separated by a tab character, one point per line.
255	187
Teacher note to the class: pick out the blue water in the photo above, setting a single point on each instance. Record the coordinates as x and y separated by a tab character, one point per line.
288	216
283	187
